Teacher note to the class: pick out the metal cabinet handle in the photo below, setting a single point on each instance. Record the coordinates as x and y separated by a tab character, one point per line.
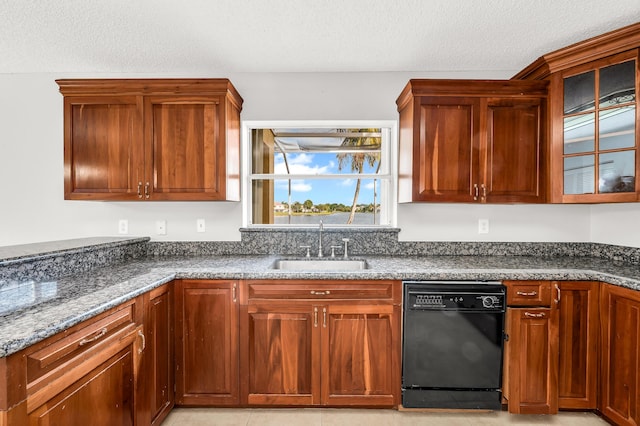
324	317
484	191
527	294
558	290
320	293
530	315
139	189
95	337
315	317
146	190
144	342
233	293
475	192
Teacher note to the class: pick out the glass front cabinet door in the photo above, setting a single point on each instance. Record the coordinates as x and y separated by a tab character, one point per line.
599	155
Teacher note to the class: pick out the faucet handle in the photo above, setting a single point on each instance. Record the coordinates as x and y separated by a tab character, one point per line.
333	250
346	243
308	250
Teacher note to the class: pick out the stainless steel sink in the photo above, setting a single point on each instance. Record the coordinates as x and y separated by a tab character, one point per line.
324	265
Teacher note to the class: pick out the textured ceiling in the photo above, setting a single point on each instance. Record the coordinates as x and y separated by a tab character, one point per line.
201	37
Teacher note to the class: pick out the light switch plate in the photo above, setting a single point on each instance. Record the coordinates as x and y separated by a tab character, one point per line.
483	226
200	225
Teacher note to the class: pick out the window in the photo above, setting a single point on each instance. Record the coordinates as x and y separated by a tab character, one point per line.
298	173
600	130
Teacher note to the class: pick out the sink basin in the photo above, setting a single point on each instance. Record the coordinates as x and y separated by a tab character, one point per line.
325	265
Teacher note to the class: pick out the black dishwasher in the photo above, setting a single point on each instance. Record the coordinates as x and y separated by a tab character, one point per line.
452	343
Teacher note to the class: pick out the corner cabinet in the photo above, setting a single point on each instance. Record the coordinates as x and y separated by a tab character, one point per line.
329	343
620	357
594	116
151	139
472	141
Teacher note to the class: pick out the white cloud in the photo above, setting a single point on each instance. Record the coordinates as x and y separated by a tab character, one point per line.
348	182
369	185
299	164
300	186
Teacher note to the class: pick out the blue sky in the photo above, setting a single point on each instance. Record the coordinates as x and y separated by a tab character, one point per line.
316	190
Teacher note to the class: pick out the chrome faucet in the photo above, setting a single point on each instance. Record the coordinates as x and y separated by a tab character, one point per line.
320	239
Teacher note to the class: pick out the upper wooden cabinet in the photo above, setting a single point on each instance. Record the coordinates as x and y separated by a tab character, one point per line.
472	141
595	139
152	139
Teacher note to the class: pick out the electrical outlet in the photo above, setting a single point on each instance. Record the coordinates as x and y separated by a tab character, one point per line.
200	225
483	226
123	226
161	227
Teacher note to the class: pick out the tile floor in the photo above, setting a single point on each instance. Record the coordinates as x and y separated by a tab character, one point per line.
363	417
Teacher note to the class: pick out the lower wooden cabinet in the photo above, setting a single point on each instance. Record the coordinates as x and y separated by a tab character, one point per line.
320	343
620	356
159	353
531	366
104	396
579	327
206	337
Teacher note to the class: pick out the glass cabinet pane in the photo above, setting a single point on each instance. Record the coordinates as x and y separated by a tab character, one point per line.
617	84
617	172
579	93
579	174
579	133
617	128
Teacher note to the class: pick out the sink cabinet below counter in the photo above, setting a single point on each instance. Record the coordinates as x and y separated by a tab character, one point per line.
310	342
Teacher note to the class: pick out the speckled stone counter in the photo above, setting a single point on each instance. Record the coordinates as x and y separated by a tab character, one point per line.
32	309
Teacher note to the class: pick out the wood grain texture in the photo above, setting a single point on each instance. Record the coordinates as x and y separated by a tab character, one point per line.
151	139
620	357
160	353
473	141
533	376
206	343
579	325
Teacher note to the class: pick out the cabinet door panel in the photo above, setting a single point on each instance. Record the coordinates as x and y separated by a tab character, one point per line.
444	155
578	346
187	148
514	151
160	354
284	354
532	367
104	397
207	357
621	355
358	355
102	162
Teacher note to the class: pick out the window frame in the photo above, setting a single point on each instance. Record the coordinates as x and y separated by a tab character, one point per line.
389	151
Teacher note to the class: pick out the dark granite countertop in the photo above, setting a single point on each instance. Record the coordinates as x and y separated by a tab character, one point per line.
31	311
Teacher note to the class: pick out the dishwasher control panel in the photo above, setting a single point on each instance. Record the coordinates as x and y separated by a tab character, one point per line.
454	297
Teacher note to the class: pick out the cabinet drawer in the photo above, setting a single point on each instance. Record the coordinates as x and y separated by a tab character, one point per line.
308	289
528	293
61	351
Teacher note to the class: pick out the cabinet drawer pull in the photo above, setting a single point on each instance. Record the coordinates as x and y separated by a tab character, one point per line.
146	190
484	192
530	315
88	340
324	317
527	294
233	290
139	189
144	341
475	192
558	290
315	317
320	293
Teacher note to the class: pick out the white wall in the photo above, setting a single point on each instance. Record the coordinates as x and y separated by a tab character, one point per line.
31	169
616	224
